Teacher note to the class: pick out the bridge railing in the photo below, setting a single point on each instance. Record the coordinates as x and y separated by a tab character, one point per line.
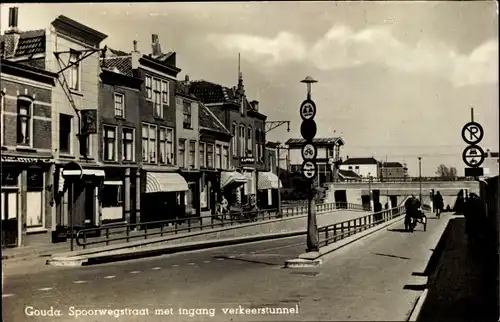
144	230
410	179
341	230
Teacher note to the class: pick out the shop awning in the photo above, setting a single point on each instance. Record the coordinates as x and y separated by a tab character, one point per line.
233	177
165	182
268	180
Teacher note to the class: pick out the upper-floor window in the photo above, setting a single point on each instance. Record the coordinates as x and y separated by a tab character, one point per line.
249	141
257	144
74	71
218	156
128	148
182	154
164	93
24	122
192	154
234	140
149	87
65	133
186	107
242	141
110	145
119	105
2	101
157	90
157	98
210	155
225	157
330	152
202	155
149	143
166	146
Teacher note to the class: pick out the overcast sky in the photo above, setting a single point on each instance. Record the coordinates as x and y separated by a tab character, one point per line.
395	79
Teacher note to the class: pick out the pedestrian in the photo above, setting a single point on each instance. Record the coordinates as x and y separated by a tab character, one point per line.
438	203
459	203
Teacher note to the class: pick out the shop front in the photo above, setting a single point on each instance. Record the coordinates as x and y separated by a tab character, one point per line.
231	183
118	195
163	196
268	184
193	195
209	190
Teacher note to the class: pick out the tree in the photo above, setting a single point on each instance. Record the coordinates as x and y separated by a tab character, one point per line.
445	172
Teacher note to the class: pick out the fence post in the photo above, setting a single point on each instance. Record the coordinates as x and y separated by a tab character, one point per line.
107	236
128	233
326	235
146	231
189	224
176	224
84	239
161	229
342	230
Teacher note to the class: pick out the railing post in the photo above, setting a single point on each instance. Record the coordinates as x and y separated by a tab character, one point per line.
176	224
224	217
161	229
84	239
326	236
146	231
107	236
342	230
189	224
201	222
128	233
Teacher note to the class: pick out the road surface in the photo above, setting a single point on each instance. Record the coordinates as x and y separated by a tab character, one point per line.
363	281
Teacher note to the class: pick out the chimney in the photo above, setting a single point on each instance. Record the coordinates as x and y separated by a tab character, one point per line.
186	78
155	45
135	56
12	35
135	46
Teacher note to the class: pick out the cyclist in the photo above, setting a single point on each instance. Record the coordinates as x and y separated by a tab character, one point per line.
438	204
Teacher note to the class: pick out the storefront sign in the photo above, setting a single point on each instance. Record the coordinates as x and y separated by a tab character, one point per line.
248	160
10	177
89	121
6	158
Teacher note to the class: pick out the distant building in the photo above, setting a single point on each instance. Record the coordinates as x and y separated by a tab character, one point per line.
363	167
392	170
328	155
491	164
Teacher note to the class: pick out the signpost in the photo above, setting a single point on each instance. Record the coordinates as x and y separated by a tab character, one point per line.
72	172
309	167
473	155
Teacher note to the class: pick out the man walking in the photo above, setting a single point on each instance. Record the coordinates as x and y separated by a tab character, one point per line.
438	204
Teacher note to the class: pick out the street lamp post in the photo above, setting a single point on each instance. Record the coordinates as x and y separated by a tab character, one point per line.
278	174
370	190
420	177
312	226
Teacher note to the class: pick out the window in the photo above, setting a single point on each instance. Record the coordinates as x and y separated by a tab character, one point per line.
2	101
218	157
65	133
170	146
164	93
119	105
210	156
225	157
112	195
149	143
24	122
192	154
109	143
149	87
242	141
128	144
157	98
350	167
166	146
182	153
257	143
74	71
203	164
249	141
234	141
187	115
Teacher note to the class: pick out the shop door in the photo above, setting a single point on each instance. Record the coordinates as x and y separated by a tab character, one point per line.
9	218
190	199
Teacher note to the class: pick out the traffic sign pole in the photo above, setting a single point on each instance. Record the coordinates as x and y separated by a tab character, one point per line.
309	168
473	155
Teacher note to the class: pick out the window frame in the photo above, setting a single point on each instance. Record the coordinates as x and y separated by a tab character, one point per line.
147	138
182	147
106	139
202	159
187	121
241	140
70	136
2	107
249	141
122	96
157	92
234	141
132	141
21	101
75	56
212	155
148	85
218	156
225	157
192	144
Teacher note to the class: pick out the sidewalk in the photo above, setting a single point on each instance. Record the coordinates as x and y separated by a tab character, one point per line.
463	286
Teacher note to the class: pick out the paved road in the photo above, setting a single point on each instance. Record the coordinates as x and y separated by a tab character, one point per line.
360	282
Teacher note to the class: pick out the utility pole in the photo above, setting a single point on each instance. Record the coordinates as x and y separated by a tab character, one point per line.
420	177
278	174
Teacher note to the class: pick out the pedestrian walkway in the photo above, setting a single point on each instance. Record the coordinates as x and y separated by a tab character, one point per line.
463	286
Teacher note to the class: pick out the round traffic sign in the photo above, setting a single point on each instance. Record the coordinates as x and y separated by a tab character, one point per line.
309	151
472	133
307	110
72	171
309	170
473	156
308	129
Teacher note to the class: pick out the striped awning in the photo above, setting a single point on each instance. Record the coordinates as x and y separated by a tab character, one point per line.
165	182
232	177
268	180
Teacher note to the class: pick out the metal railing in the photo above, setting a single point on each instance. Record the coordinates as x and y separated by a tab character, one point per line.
341	230
413	179
144	230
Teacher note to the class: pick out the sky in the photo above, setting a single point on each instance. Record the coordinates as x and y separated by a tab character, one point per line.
396	80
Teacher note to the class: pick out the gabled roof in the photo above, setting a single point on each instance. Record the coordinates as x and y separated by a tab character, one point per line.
30	42
392	165
360	161
348	174
209	121
182	89
118	64
210	93
325	141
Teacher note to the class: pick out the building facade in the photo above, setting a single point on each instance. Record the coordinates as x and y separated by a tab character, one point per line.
26	126
327	158
119	131
363	167
247	127
491	164
392	170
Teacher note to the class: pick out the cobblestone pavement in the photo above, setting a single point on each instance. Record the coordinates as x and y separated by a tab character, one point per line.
363	281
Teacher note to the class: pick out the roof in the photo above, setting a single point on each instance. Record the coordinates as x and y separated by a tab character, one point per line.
325	141
348	174
120	65
392	165
209	92
209	121
183	89
360	161
30	43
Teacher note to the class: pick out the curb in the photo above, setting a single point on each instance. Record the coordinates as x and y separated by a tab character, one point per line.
415	313
120	255
302	263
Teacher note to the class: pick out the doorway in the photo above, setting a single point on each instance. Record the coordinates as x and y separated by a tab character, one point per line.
340	199
9	218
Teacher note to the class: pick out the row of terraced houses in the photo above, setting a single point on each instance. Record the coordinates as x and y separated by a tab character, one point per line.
152	147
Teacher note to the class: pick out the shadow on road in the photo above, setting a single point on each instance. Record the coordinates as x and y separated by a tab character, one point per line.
393	256
398	230
248	260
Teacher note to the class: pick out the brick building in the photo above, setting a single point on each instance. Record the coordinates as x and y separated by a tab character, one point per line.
119	130
388	170
26	125
247	126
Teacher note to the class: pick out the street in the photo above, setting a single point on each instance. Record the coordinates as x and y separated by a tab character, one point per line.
363	281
